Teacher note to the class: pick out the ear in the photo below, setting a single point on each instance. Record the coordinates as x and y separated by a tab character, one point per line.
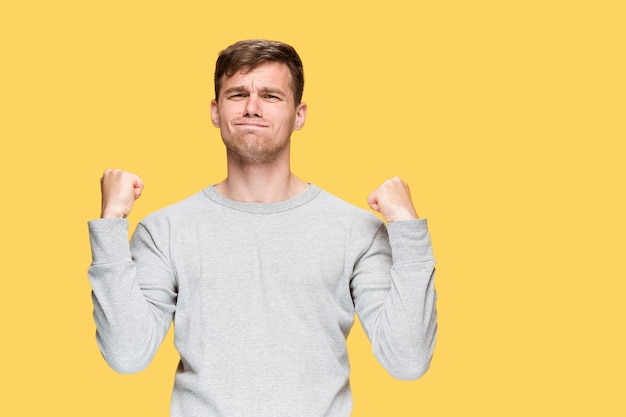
300	116
215	118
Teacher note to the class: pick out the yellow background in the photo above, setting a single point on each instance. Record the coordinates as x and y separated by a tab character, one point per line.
506	117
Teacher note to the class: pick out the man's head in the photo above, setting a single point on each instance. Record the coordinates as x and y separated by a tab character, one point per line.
246	55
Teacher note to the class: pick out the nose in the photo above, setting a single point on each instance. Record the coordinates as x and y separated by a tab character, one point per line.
252	106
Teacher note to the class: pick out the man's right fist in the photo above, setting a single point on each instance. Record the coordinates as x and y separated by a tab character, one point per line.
120	189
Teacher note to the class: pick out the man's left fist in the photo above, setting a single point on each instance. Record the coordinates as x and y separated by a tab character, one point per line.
393	200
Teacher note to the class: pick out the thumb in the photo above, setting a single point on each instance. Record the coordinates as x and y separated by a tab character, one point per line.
372	200
137	188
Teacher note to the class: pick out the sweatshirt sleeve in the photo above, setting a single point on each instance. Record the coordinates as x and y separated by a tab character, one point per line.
133	292
395	299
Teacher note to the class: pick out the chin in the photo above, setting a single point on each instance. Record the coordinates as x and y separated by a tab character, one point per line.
249	156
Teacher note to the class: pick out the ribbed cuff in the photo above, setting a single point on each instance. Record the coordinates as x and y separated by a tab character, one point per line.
109	240
410	241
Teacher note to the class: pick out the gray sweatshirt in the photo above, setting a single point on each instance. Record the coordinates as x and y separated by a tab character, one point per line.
262	297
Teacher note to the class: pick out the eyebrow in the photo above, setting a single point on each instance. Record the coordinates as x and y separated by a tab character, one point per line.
272	90
235	89
241	88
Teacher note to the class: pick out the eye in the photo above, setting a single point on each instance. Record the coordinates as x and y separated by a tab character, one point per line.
237	96
270	97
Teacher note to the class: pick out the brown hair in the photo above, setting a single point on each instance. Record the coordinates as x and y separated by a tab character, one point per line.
246	55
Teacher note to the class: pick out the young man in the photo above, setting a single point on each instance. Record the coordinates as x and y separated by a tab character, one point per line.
262	273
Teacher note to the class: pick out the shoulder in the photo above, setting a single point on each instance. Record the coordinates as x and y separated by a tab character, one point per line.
349	213
188	208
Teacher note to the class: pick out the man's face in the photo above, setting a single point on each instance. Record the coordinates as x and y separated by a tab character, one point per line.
256	113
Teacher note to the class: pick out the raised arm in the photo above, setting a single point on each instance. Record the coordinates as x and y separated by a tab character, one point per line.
133	291
395	298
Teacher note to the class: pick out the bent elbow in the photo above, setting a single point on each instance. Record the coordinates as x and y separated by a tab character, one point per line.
125	366
410	371
124	359
411	368
407	362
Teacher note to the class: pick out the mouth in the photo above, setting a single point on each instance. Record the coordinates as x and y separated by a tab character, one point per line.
249	123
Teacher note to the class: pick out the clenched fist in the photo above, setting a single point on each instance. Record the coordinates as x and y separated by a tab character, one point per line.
393	200
120	189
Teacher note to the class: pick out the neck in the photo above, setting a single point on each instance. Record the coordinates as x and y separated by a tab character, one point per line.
260	183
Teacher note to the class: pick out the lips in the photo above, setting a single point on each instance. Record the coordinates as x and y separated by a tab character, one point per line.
250	123
248	127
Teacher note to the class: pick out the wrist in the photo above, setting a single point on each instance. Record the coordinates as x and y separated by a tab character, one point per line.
109	213
402	216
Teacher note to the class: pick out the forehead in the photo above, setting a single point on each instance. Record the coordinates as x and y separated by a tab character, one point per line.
266	75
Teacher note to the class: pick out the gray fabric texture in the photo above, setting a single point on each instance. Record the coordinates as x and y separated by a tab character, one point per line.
262	297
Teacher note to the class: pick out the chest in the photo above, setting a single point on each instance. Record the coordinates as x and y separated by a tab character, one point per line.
263	270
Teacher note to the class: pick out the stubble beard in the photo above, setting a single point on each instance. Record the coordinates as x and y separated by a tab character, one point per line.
255	150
